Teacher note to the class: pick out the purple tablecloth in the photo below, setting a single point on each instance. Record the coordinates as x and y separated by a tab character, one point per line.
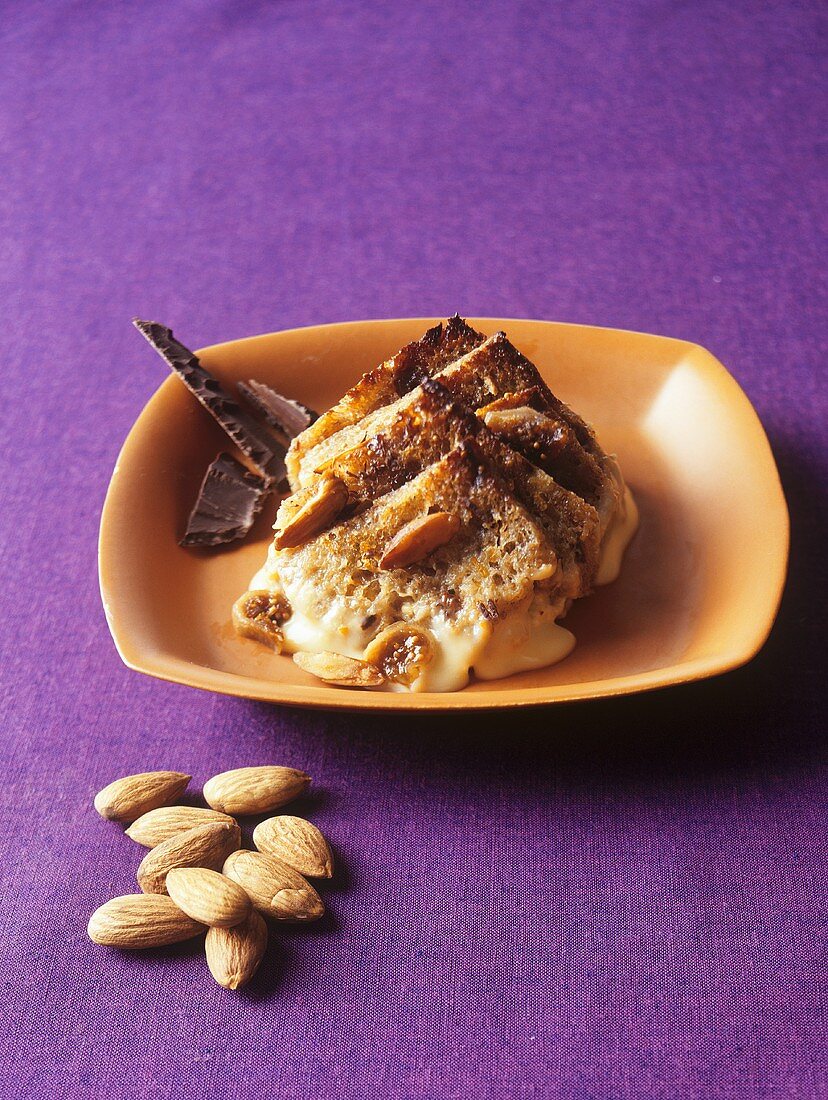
612	900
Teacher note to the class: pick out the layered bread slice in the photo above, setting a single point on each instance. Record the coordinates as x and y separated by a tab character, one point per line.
444	515
439	346
552	436
428	426
364	575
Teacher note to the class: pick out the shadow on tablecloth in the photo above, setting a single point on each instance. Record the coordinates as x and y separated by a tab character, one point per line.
766	714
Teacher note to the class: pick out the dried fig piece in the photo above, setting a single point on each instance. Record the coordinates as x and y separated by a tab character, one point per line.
260	614
401	651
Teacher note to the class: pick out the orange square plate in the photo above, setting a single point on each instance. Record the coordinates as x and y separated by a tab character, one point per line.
700	585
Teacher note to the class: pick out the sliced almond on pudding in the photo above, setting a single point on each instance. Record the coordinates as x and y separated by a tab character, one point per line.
419	538
334	668
315	513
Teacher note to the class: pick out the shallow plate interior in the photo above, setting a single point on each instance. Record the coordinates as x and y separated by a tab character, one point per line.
701	582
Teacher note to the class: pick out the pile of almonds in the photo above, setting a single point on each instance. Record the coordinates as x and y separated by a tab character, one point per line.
196	877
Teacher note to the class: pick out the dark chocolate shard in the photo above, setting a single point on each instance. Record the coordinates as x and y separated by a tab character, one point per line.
282	413
228	502
253	440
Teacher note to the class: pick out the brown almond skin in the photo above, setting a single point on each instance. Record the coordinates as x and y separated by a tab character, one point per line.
204	846
530	399
207	896
323	505
504	420
256	790
136	921
153	828
234	954
296	842
274	888
417	539
131	796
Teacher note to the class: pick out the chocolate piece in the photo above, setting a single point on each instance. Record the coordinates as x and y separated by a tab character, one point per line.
254	441
228	502
282	413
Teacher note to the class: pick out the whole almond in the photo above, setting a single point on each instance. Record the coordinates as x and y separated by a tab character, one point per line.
256	790
297	843
141	920
153	828
419	538
128	798
203	846
335	668
207	896
323	504
234	954
274	887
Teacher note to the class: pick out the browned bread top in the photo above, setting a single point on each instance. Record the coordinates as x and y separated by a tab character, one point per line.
496	559
492	377
475	379
417	361
431	424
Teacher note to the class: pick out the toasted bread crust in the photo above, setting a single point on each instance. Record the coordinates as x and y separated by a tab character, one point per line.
430	425
411	365
492	374
498	556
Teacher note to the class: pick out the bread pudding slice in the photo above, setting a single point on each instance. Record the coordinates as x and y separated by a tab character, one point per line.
486	598
444	515
428	426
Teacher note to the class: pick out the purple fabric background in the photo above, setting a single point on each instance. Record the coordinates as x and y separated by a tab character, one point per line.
610	900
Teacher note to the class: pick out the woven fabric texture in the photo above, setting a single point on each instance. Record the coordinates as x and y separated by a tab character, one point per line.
612	900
